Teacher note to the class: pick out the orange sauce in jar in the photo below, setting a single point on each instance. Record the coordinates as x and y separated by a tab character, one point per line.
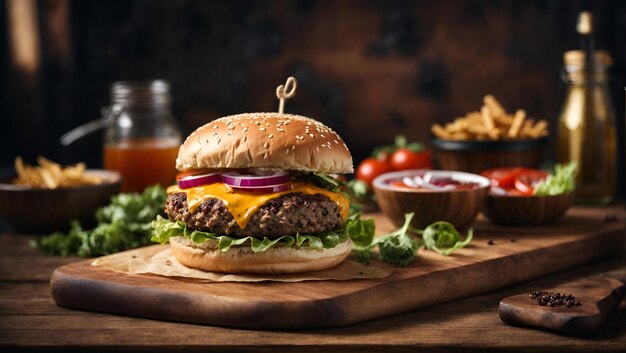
143	162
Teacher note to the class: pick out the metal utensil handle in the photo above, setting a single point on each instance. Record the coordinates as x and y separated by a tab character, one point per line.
108	115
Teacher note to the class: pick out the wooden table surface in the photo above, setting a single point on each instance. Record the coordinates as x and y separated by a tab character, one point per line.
30	320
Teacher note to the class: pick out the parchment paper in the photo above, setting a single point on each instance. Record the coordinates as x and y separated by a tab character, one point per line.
158	260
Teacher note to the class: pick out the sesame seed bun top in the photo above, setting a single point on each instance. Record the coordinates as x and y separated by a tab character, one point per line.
265	140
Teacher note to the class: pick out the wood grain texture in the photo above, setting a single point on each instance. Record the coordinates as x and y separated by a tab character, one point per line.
31	321
459	207
432	279
599	298
478	161
526	210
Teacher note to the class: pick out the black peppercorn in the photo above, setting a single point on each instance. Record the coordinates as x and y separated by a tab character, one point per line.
554	299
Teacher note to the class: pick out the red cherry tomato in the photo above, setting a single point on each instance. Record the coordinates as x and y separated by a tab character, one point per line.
526	181
404	158
370	168
503	177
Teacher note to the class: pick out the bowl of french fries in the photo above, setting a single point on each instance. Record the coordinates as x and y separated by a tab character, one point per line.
489	138
47	197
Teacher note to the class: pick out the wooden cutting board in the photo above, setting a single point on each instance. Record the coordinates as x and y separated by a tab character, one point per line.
598	297
497	257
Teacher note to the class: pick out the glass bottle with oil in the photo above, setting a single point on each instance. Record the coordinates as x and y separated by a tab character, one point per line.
587	133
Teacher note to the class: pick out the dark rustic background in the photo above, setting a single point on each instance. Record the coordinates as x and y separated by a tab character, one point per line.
370	69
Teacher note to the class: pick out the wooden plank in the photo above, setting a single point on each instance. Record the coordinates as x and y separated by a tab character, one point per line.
596	299
470	323
581	237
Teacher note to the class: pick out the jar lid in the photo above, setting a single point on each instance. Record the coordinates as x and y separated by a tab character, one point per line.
576	58
140	92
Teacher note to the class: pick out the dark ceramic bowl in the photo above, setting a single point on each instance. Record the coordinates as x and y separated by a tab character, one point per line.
477	156
46	210
527	210
458	207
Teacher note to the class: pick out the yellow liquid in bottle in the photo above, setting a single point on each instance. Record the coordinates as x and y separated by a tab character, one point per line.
587	135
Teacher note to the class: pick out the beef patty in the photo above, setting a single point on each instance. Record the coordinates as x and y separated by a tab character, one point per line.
285	215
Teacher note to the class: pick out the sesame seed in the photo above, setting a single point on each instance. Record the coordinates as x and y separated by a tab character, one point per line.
245	129
317	148
265	155
266	145
229	133
293	147
281	130
215	126
219	140
214	133
262	129
244	138
336	142
287	151
322	135
312	136
270	136
268	125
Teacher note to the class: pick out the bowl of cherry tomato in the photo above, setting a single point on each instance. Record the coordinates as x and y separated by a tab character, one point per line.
433	195
526	196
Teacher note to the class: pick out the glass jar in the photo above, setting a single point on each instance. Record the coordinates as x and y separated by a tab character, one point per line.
587	133
143	139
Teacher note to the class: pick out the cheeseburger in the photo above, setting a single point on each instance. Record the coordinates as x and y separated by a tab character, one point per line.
256	196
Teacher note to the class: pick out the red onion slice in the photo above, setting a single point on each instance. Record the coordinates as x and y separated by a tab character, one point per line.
267	189
258	178
199	180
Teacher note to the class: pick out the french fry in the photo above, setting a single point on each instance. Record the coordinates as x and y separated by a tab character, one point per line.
520	115
492	122
493	105
538	129
487	119
439	131
50	175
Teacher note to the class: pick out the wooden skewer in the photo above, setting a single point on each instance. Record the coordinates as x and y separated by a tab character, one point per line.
286	91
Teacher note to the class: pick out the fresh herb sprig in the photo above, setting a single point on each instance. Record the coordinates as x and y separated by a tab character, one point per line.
123	224
399	248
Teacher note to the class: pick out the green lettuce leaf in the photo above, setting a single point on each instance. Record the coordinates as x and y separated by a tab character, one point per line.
443	238
561	181
123	224
354	228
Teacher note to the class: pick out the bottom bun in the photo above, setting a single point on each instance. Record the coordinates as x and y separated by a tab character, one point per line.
276	260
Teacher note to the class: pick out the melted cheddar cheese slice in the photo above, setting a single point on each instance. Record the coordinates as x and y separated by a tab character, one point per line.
244	204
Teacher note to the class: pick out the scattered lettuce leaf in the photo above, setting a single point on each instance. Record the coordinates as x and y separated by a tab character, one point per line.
443	238
123	224
561	181
399	248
